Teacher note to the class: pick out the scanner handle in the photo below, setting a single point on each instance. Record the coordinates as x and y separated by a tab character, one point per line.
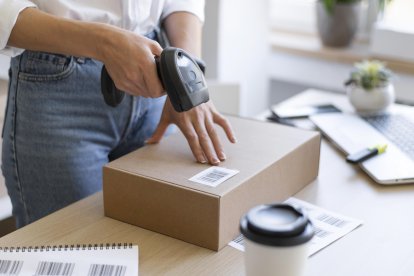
113	96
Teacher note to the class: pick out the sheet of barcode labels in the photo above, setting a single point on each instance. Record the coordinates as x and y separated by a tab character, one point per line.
70	260
329	226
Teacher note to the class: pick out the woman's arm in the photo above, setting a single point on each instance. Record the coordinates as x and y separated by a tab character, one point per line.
184	31
129	57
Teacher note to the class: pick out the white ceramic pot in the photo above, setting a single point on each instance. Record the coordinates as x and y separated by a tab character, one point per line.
372	101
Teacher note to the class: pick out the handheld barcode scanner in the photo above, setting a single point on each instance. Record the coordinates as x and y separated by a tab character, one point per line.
181	75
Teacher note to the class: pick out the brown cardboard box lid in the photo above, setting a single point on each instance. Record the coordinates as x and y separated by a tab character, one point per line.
172	162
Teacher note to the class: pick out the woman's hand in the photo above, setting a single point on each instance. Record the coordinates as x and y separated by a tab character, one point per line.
197	125
129	60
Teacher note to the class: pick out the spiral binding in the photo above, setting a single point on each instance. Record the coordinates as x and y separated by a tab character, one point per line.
66	247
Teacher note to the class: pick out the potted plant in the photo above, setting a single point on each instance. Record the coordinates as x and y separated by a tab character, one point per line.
337	21
375	11
370	88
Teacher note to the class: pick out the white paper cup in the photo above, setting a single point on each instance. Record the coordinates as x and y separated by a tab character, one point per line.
276	240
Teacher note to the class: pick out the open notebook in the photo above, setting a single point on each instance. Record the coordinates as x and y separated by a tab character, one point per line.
67	260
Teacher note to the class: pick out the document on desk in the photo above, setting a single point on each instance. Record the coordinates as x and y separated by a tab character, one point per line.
329	226
67	260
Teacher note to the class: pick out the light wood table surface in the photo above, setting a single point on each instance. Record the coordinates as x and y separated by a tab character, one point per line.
383	245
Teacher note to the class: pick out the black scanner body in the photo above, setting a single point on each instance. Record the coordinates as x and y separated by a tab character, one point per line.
181	75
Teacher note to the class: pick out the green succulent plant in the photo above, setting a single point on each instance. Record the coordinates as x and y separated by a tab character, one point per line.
370	74
330	4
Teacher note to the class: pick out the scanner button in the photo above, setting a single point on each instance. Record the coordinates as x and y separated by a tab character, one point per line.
192	75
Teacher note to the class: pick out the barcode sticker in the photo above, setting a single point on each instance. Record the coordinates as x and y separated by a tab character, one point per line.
238	242
213	176
239	239
107	270
10	267
54	268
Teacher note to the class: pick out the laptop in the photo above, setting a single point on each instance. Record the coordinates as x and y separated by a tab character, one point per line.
352	133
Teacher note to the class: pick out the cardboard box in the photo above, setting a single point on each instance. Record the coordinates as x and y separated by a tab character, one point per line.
150	187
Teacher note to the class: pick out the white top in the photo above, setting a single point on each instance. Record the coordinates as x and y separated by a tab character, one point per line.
139	16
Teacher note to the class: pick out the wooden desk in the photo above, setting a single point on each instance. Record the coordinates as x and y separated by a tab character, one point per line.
384	245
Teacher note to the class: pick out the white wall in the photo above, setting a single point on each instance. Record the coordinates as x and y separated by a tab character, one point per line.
310	71
328	74
236	49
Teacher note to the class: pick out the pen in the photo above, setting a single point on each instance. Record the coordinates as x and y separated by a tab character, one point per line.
366	153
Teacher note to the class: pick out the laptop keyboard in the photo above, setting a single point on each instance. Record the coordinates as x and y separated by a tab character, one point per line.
397	128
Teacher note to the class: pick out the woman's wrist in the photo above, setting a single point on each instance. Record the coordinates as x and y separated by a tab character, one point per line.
99	40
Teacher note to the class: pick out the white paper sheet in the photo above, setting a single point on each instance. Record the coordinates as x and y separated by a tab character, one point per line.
329	226
83	260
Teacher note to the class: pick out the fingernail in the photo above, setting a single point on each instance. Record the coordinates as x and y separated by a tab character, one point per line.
234	140
215	161
202	160
222	156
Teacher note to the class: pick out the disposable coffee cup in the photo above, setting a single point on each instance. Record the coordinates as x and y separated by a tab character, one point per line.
276	240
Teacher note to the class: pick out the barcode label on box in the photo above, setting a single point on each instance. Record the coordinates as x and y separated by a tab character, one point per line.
328	226
213	176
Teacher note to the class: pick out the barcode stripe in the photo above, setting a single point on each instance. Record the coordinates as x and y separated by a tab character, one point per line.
54	268
4	266
239	239
213	176
106	270
321	233
10	267
332	220
13	268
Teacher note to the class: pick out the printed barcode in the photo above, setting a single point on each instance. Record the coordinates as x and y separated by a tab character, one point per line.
332	220
106	270
213	176
53	268
321	233
8	267
239	239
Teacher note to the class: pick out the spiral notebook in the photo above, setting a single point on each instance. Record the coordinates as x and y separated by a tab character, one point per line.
67	260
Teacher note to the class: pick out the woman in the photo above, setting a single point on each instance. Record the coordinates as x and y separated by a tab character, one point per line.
58	130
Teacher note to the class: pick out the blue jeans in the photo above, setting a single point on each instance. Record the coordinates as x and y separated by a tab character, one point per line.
58	132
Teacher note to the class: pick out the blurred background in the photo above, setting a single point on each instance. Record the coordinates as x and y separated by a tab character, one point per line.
273	49
259	53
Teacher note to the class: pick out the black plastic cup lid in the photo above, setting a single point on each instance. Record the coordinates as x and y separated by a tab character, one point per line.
277	225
